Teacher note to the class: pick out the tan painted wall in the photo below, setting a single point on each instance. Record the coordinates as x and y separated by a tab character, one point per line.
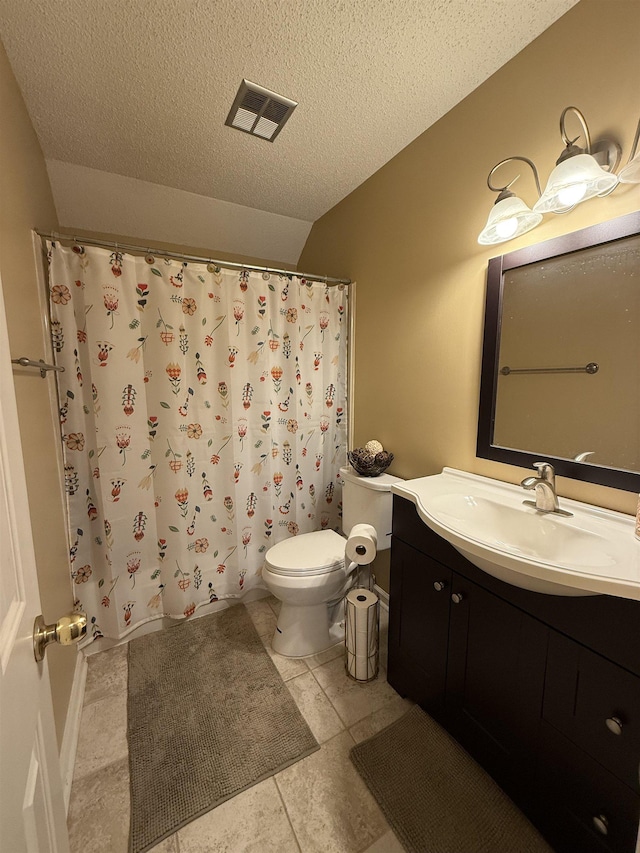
407	236
26	203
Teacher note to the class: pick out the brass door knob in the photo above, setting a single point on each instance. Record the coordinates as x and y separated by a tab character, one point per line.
601	824
614	724
67	630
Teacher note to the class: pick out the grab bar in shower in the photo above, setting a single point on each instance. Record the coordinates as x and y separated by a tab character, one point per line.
590	368
41	365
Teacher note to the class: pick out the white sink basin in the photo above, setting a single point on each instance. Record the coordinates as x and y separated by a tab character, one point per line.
593	552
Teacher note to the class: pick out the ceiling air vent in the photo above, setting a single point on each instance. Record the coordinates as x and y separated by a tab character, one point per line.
259	112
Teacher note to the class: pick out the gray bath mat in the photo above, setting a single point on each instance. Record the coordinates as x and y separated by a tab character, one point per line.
208	716
434	795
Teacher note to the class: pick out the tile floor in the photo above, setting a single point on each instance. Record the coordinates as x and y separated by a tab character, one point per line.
318	804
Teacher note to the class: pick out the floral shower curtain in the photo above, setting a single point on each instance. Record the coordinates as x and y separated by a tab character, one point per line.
203	420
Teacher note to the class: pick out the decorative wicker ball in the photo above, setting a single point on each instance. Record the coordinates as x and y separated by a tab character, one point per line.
374	446
369	464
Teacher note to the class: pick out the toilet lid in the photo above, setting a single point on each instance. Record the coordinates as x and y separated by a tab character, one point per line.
308	554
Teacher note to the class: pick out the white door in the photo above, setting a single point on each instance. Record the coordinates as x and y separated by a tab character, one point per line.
32	815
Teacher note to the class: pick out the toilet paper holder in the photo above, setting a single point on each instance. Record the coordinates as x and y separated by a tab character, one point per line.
362	543
362	631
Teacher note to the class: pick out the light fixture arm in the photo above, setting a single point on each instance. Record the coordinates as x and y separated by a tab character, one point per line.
504	192
634	147
587	136
607	152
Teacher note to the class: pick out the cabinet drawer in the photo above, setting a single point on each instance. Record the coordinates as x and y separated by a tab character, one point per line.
596	704
593	809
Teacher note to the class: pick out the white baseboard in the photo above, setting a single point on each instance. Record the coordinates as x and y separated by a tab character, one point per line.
382	595
72	727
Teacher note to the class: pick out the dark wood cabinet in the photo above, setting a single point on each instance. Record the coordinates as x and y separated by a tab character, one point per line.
419	627
596	705
495	680
585	808
543	691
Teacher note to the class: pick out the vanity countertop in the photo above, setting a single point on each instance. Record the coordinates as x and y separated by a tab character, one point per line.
593	551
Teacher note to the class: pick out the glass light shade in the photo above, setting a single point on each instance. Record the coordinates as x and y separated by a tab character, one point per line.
575	179
631	172
508	218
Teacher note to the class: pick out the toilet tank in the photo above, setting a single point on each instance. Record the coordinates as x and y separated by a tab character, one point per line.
368	500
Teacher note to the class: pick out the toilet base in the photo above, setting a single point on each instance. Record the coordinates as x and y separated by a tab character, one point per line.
305	630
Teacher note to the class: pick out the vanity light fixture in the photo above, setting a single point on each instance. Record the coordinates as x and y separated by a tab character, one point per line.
579	174
509	215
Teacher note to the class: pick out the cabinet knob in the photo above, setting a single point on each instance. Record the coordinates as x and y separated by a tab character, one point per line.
601	824
457	597
614	724
439	585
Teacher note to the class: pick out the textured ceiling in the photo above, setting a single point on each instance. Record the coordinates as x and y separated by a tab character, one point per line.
142	88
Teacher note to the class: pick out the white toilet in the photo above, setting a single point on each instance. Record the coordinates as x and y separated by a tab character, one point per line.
309	573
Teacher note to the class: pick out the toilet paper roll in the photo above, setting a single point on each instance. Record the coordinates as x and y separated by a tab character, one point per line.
362	543
361	667
361	611
361	599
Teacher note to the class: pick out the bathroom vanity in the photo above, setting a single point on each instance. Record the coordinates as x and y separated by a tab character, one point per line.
542	690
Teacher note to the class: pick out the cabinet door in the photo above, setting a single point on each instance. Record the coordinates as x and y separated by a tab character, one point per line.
418	626
495	681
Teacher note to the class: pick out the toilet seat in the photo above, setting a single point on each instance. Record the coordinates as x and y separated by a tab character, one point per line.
316	553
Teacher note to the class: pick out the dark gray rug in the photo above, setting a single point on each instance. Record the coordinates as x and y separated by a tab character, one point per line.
208	717
434	795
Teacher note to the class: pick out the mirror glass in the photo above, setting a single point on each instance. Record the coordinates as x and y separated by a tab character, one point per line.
561	366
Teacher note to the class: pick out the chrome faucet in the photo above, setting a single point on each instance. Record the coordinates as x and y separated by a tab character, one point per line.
545	488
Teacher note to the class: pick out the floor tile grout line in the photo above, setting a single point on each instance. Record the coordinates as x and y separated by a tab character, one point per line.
375	841
295	699
369	844
268	648
177	838
362	719
329	698
285	681
286	811
100	769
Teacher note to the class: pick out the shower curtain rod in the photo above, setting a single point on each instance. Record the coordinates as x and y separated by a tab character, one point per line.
193	258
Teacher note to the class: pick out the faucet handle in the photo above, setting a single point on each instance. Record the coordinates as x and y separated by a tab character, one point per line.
545	471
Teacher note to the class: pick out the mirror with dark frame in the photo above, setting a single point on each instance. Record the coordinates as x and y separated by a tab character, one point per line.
561	360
